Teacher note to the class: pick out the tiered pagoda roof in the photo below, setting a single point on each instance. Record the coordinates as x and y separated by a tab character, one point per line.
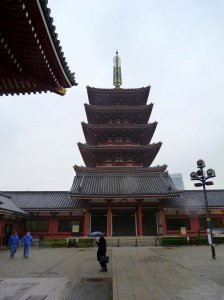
119	96
119	155
128	114
122	133
30	53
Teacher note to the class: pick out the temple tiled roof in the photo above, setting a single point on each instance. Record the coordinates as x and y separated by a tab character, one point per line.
29	200
111	97
141	133
120	90
95	185
94	155
121	185
195	199
31	56
7	205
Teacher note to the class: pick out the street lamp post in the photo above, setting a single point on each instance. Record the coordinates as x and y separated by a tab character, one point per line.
202	177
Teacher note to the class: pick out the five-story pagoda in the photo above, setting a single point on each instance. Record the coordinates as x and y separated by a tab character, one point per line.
123	193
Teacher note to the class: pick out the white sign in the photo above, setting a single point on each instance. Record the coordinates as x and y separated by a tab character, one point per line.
75	228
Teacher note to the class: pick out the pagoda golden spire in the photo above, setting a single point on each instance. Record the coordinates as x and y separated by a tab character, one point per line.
117	71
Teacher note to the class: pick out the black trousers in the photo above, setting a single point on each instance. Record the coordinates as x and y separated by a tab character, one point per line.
102	264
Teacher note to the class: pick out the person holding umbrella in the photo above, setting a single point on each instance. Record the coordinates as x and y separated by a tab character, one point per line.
101	252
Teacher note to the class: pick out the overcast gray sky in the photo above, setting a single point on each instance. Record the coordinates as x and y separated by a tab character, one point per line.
176	46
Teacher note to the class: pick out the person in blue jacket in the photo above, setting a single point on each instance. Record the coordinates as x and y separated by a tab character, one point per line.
13	244
27	240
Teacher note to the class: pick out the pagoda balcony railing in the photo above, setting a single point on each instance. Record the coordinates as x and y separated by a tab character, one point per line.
119	164
117	143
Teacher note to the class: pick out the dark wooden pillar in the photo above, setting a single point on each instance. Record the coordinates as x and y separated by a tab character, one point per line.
139	218
86	221
163	221
1	233
109	218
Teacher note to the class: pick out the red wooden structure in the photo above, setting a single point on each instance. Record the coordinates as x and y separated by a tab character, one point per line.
31	57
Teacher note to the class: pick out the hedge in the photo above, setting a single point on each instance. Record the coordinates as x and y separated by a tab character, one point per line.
55	243
194	240
70	242
198	240
173	241
218	240
81	242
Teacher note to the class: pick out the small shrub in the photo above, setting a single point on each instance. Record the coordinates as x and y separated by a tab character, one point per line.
55	243
174	241
198	240
85	242
58	243
72	242
218	240
80	242
45	243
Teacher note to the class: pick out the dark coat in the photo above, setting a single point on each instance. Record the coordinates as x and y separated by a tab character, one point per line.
102	247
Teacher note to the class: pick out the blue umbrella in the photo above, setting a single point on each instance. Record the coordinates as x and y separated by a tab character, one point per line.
96	233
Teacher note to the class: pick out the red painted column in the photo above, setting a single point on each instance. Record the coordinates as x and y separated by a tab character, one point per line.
109	218
139	218
86	222
192	226
163	221
53	228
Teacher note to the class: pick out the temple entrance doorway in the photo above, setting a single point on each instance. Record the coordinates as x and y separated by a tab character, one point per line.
124	224
149	223
99	222
7	233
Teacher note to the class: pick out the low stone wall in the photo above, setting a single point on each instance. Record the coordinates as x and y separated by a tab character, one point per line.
132	241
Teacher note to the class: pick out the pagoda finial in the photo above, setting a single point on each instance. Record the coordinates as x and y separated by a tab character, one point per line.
117	71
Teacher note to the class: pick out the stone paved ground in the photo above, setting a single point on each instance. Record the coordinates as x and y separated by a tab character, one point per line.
144	273
156	273
53	274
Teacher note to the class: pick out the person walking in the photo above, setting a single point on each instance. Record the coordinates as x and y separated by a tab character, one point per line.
13	244
101	252
27	241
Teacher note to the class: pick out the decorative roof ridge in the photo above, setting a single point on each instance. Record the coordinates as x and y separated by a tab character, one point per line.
120	90
207	190
113	146
136	174
49	22
27	192
119	125
169	185
118	169
5	195
82	169
116	107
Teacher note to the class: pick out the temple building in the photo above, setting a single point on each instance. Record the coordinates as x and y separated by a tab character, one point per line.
122	191
119	191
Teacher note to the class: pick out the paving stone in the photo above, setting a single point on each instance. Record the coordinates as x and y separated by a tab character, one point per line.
91	288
